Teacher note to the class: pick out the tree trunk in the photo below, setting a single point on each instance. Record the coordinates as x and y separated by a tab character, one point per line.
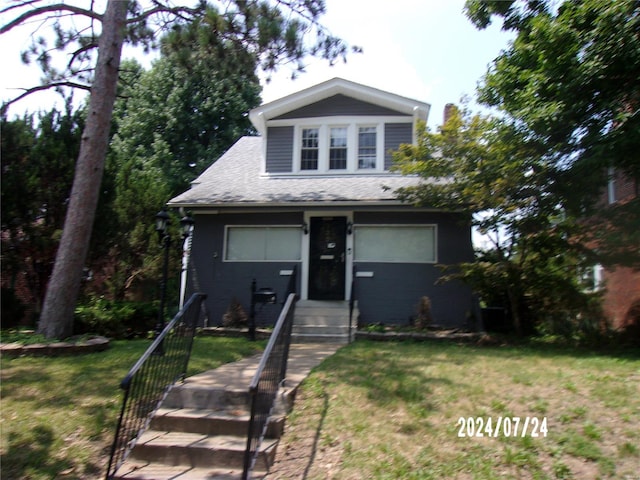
56	320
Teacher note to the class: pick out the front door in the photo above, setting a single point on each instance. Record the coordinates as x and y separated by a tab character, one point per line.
327	258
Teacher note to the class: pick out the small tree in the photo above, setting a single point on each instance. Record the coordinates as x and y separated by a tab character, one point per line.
486	168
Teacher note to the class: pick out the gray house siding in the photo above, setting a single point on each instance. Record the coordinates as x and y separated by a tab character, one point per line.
394	135
221	280
338	105
389	296
279	149
393	291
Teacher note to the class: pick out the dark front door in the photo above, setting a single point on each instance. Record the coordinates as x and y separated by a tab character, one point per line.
327	262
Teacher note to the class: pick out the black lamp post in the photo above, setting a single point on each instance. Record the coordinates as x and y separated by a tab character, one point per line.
162	227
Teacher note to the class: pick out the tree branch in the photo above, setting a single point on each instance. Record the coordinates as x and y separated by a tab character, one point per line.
177	11
58	7
39	88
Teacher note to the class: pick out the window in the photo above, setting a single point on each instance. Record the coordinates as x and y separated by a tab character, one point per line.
395	243
366	147
310	149
338	148
263	244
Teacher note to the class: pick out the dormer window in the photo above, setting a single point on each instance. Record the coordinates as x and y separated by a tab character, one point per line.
310	149
338	148
366	147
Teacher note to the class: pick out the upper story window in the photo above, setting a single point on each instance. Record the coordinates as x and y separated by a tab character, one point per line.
367	147
310	149
347	148
338	148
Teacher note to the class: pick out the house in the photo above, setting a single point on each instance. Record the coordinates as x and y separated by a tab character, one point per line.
621	298
314	191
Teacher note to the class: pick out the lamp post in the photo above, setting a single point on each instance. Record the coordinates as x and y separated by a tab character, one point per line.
163	221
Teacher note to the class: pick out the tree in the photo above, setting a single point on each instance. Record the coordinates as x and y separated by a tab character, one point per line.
180	116
491	171
37	172
570	81
268	32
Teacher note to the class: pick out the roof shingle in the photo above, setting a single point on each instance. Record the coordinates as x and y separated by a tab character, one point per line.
235	179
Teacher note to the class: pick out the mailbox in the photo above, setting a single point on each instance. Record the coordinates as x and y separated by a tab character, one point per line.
265	295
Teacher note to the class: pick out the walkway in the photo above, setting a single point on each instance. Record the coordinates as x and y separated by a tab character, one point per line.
303	357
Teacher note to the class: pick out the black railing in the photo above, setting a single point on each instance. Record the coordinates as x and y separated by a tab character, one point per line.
148	382
266	382
352	301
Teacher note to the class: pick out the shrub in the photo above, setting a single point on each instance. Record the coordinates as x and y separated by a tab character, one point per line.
13	309
235	316
425	317
115	319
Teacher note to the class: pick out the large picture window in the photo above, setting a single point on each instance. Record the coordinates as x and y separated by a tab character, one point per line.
262	243
395	243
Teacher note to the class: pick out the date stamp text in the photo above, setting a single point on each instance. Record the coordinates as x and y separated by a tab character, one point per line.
502	427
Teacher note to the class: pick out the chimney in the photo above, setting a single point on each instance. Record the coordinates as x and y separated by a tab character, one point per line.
449	108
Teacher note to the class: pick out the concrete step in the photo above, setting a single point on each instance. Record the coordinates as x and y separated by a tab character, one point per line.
200	396
211	422
322	320
198	450
318	321
136	470
319	338
321	329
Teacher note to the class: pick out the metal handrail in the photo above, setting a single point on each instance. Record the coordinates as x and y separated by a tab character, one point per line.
150	379
266	381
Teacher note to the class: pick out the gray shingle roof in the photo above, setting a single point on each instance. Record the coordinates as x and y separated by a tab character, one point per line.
235	179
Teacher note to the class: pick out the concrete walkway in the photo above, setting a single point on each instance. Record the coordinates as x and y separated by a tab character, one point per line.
237	376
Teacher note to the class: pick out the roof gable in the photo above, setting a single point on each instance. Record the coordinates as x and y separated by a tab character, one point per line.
310	98
338	105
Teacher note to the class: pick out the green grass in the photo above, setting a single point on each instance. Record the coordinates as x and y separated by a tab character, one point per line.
391	410
58	415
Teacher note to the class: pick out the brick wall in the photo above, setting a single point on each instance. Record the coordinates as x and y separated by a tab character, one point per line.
622	298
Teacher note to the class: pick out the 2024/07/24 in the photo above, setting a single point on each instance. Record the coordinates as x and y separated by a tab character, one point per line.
502	426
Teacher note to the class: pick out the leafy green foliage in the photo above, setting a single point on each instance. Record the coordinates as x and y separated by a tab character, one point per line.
115	319
532	181
570	82
172	122
487	169
38	159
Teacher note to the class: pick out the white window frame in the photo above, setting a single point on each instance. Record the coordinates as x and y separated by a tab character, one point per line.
227	228
324	125
301	147
377	147
329	129
432	227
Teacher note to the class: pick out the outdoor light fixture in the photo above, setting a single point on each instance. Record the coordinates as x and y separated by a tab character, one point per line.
349	228
186	223
305	228
162	222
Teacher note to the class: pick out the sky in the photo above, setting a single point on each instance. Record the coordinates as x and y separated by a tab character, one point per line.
426	50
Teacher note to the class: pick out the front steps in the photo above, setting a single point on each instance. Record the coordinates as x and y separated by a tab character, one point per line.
320	321
200	432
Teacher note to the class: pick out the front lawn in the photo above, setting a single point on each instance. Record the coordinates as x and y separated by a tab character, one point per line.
401	411
58	414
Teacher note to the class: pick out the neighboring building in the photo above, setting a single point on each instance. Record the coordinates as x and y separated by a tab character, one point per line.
314	191
621	301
